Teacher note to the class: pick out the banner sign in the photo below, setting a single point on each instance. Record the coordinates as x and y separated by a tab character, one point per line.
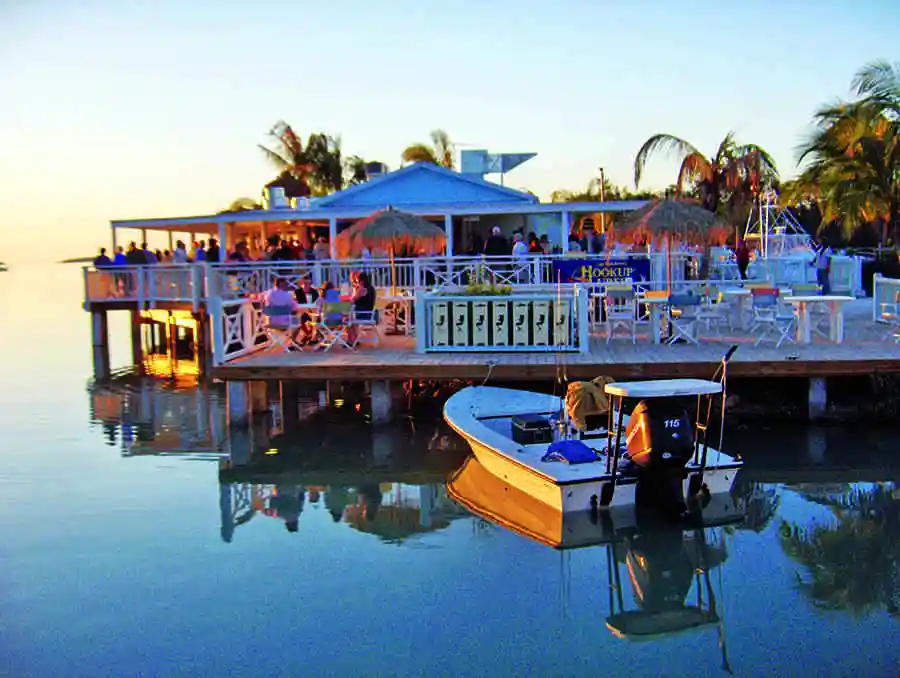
597	271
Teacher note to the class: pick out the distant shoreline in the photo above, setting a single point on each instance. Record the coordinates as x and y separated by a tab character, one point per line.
76	260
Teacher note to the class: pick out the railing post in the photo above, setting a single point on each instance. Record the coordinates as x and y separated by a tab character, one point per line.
197	274
876	301
417	276
140	292
581	309
421	322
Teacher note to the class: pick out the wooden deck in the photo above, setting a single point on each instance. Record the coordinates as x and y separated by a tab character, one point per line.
864	352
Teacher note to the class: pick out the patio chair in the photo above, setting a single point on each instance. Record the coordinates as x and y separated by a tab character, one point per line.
621	311
715	311
281	323
767	313
890	313
333	324
366	324
684	318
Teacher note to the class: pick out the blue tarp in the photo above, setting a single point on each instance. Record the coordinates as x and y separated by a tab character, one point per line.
569	452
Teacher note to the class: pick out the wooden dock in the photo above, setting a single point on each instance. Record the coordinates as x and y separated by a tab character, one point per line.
865	352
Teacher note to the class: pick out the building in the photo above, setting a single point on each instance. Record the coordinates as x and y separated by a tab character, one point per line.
466	205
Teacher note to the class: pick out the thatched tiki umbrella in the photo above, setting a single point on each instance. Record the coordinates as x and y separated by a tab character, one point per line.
392	231
663	222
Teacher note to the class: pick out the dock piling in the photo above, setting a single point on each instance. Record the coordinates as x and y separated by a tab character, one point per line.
818	398
386	396
238	399
100	344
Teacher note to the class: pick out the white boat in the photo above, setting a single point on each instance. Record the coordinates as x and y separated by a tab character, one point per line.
662	461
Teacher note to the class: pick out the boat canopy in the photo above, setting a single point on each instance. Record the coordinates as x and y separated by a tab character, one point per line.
663	388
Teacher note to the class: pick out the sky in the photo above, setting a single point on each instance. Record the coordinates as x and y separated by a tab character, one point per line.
121	109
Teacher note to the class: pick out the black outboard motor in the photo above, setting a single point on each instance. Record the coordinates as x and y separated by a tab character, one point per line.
660	442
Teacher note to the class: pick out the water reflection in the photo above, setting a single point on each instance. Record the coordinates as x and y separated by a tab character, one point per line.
851	561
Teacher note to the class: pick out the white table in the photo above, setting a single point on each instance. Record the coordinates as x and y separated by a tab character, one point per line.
655	305
737	297
835	305
401	304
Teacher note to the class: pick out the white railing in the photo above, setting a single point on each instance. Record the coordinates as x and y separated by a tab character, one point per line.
525	320
885	295
122	283
238	328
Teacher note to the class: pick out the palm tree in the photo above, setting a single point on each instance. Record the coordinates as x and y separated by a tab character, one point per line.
289	157
853	155
440	152
355	170
733	175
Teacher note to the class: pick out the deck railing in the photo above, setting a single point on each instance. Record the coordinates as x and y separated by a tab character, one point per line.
196	284
238	328
885	296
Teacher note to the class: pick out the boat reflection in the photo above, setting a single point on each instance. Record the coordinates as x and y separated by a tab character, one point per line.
663	562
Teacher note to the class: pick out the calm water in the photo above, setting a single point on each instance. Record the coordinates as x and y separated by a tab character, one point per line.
335	552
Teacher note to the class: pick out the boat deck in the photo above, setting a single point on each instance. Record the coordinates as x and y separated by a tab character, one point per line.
865	351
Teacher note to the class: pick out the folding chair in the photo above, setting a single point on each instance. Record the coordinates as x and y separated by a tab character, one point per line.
890	313
767	314
280	326
714	311
366	324
684	317
333	324
621	311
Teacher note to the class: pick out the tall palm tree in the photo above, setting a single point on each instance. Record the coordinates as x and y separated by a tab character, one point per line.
853	155
355	170
440	152
289	157
733	174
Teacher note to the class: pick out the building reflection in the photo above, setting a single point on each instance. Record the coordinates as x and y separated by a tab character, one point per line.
389	484
146	416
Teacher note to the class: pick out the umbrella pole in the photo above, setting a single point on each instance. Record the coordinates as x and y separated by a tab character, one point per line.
393	273
668	265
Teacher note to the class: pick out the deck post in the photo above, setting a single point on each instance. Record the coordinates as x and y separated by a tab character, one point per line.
448	231
333	390
581	310
290	413
564	231
238	397
332	237
259	396
384	394
204	347
818	398
100	343
137	348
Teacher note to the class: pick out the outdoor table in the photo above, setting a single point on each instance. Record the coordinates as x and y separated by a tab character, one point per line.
655	303
738	297
400	302
835	305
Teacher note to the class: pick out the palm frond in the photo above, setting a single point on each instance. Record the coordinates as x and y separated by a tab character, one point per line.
661	143
694	168
274	157
419	153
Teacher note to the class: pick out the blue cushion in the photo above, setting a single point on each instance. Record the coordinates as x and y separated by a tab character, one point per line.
570	452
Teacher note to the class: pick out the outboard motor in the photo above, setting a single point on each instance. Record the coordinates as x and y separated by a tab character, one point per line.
660	442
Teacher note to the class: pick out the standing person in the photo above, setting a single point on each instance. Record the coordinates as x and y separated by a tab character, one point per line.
180	255
149	256
119	259
212	252
496	245
102	259
321	250
822	263
742	257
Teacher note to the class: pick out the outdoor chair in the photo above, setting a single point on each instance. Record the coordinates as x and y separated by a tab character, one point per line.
333	324
281	323
366	324
768	315
684	318
714	312
621	311
890	313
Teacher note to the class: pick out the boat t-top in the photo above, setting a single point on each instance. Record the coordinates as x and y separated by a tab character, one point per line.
582	452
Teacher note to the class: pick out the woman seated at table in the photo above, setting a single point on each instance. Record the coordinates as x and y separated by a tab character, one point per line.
306	295
363	298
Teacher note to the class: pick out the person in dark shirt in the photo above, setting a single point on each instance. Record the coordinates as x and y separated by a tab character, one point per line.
212	252
742	256
134	256
497	245
102	259
363	299
534	246
306	294
283	253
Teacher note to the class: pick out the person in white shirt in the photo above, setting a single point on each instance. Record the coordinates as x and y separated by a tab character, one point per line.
822	264
519	248
180	255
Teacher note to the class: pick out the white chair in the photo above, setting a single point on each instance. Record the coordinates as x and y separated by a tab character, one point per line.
715	311
333	325
621	311
768	315
366	324
684	318
281	323
890	313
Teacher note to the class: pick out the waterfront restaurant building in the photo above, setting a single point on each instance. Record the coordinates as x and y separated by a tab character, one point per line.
466	205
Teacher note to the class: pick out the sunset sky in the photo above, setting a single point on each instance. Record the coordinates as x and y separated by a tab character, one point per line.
114	110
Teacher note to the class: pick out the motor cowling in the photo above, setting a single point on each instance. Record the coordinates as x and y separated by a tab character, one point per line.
659	435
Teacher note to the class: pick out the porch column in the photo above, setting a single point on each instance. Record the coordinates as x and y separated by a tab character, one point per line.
332	236
171	241
143	235
115	240
564	230
222	235
448	229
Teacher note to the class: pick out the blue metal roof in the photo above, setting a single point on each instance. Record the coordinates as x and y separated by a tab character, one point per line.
422	184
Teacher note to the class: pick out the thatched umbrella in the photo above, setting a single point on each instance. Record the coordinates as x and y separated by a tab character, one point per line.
677	220
674	220
392	231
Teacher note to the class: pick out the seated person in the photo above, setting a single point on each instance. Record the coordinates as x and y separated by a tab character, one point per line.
363	298
306	294
281	295
329	295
